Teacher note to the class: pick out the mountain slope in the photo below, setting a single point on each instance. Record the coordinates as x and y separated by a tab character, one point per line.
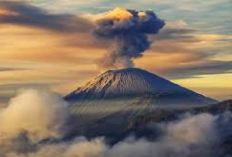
134	83
120	101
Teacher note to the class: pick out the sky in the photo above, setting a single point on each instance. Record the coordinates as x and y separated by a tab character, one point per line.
49	43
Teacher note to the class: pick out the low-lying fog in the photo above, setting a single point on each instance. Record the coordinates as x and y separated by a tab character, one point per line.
35	115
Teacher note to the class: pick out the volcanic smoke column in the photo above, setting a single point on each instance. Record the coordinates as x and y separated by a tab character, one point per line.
129	31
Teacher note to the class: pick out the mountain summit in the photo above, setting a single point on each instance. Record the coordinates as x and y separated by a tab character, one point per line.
118	102
133	83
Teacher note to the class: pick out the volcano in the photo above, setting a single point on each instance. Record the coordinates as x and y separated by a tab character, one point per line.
119	101
133	83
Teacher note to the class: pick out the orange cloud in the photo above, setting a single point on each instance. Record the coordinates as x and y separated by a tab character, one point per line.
4	12
63	59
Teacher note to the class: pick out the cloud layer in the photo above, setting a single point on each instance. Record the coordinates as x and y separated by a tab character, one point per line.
36	115
65	49
190	136
22	13
39	113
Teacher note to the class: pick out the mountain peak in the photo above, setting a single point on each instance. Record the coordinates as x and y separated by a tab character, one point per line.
133	82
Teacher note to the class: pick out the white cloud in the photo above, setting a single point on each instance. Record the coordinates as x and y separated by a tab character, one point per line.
189	136
40	113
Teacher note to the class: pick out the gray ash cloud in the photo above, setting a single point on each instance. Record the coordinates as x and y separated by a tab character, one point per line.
128	30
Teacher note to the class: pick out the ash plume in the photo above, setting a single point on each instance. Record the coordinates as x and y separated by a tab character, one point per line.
128	30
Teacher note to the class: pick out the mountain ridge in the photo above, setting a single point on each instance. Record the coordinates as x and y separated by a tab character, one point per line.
134	82
95	113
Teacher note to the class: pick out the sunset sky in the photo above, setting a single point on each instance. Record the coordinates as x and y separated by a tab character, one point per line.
49	43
